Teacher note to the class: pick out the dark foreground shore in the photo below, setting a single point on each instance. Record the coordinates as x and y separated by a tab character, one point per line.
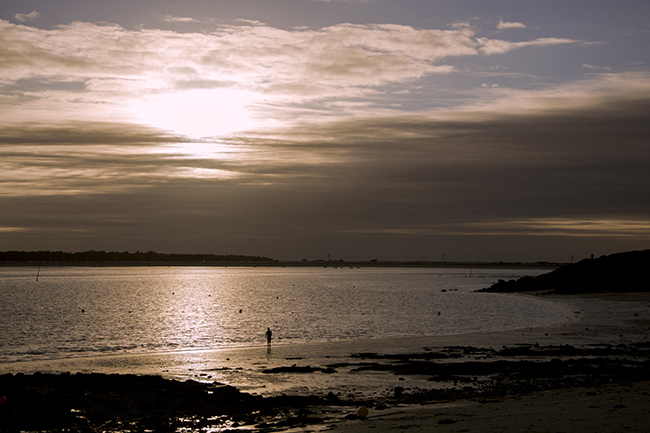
480	376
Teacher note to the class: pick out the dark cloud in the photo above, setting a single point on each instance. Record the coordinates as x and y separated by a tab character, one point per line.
486	187
86	133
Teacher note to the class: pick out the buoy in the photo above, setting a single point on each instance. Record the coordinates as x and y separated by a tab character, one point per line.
362	412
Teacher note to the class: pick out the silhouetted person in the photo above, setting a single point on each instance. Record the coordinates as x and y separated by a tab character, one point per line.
592	257
269	335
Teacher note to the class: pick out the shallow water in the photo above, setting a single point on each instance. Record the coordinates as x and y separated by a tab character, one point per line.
82	311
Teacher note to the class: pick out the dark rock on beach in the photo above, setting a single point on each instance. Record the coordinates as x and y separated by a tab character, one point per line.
615	273
82	401
99	402
293	369
515	370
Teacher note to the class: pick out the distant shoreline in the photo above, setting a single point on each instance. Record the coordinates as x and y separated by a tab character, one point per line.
281	264
151	258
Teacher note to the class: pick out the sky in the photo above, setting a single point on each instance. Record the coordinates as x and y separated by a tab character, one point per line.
469	130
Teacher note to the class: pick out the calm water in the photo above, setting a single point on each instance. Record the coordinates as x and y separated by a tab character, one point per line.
75	311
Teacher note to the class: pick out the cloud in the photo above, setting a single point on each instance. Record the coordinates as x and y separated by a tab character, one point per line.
173	19
563	163
596	68
573	96
78	158
287	75
503	25
411	172
299	63
569	227
27	17
495	46
545	227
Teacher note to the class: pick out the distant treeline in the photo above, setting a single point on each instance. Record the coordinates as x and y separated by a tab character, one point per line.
114	256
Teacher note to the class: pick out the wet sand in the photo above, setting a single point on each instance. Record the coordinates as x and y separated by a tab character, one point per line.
333	379
608	408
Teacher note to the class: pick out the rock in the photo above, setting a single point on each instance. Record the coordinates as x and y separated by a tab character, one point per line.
616	273
447	421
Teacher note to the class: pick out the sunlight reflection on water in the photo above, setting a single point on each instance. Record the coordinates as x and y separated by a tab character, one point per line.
74	311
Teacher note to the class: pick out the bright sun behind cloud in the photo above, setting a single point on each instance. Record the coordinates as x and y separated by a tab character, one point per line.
197	113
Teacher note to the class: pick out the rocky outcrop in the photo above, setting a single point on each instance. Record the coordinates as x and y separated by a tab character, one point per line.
615	273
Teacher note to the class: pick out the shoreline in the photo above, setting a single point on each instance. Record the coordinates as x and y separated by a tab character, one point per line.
290	264
596	319
280	348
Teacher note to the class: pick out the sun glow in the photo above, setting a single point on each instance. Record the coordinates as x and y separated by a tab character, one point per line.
198	113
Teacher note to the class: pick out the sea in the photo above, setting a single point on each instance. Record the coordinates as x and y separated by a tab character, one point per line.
73	312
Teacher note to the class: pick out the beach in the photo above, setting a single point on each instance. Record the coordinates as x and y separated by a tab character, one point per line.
588	373
606	408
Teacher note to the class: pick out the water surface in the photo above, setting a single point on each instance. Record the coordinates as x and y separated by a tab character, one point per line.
82	311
